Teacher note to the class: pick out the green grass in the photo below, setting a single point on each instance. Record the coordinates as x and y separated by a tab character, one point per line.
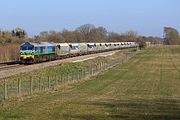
147	87
59	74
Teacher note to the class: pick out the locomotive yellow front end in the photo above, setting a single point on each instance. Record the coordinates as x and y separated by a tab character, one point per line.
25	56
26	53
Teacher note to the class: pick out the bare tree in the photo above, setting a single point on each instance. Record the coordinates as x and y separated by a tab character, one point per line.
131	35
85	30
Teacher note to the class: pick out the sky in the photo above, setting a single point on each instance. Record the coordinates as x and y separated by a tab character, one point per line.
146	17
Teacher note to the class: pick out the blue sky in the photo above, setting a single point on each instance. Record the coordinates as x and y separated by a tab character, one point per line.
147	17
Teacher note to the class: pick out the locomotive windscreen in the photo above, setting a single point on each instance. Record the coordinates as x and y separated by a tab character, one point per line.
27	47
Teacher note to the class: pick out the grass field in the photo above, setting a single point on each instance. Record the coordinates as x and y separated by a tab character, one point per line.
147	87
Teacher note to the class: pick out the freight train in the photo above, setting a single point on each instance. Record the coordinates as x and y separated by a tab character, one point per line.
45	51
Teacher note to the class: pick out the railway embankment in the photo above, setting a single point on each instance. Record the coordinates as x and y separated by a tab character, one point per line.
46	76
7	70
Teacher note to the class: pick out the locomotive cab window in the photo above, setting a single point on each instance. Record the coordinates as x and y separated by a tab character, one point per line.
24	47
30	47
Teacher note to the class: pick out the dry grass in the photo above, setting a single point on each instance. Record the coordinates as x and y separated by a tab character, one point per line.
9	52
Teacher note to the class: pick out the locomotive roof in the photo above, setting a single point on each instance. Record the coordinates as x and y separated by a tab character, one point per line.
39	44
74	44
62	44
90	43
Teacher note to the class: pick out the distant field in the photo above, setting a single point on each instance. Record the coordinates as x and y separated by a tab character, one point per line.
147	87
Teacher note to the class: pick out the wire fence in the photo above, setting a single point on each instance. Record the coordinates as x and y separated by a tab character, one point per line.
33	84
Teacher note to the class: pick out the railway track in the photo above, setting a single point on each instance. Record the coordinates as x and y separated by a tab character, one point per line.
8	63
13	69
15	64
11	66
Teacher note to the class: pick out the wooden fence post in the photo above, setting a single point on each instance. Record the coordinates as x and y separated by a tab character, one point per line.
5	89
92	70
31	85
82	73
19	86
49	83
89	71
85	72
39	83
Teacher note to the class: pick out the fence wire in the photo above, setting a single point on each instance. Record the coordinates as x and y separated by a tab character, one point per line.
26	86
